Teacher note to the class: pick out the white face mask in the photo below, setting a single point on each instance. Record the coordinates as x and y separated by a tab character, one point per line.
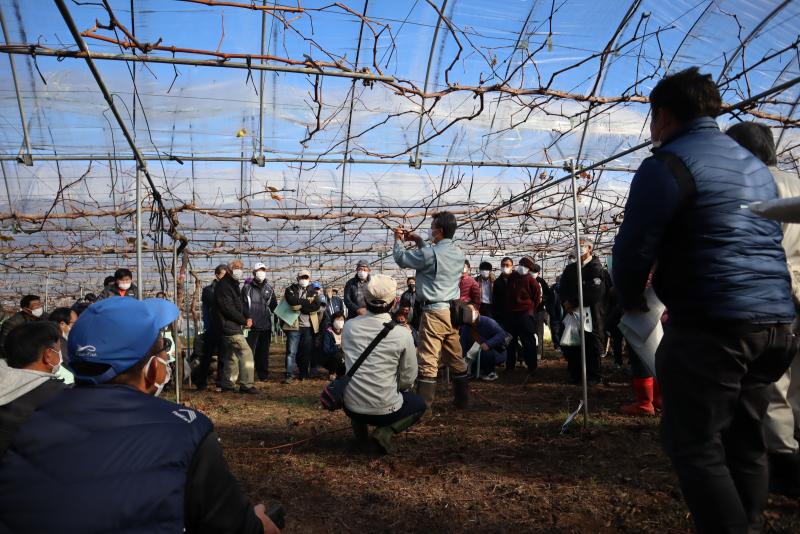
124	286
485	274
261	276
57	367
304	282
362	275
237	274
521	269
37	312
429	237
338	325
507	270
160	387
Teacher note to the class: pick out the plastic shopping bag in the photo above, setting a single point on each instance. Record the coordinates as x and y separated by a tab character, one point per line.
572	331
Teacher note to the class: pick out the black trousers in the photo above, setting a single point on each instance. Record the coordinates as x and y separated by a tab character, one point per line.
616	344
212	345
259	341
305	352
522	327
487	309
714	385
594	347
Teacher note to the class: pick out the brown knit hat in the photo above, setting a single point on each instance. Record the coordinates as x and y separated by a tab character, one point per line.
528	262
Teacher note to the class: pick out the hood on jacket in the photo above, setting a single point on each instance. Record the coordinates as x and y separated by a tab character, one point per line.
15	383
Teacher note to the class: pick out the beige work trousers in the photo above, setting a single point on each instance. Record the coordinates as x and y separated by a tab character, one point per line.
438	337
782	420
239	366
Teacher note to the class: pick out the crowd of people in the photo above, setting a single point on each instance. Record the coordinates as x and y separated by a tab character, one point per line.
694	230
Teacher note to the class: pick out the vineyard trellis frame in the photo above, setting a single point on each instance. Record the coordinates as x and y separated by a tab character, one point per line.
482	218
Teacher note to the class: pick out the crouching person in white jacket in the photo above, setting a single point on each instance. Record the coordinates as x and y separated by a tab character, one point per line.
379	392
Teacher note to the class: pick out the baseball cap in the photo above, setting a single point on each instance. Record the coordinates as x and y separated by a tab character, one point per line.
304	272
258	266
116	332
381	289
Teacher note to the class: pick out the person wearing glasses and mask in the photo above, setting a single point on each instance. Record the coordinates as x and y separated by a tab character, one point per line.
128	460
31	309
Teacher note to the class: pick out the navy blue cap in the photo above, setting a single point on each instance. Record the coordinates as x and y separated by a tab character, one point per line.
117	331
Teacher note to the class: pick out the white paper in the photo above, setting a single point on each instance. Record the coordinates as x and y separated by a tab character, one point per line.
643	330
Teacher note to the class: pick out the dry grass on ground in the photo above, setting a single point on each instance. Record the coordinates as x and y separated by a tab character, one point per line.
499	466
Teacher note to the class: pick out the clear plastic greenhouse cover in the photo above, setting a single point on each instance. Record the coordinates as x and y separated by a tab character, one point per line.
299	133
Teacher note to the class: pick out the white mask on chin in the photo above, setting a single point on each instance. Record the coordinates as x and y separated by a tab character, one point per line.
507	270
521	269
304	282
261	276
124	286
37	312
57	367
160	387
485	274
338	325
237	274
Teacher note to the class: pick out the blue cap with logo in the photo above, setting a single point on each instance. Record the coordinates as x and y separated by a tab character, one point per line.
116	332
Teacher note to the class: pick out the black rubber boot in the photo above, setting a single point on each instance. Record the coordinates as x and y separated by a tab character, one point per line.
360	432
461	391
427	390
784	474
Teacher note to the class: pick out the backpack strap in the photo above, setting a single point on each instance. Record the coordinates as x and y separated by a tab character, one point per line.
682	174
387	327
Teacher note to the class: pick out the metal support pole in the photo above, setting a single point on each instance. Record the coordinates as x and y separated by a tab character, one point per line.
582	313
175	334
188	297
47	293
416	161
27	159
260	157
139	264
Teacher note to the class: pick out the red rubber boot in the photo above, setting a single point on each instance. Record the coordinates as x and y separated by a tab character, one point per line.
656	395
643	390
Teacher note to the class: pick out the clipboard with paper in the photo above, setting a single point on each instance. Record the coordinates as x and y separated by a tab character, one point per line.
285	313
643	330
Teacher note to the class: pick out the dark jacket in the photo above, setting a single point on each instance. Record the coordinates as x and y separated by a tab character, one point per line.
524	293
333	306
488	331
111	290
227	313
16	412
500	297
258	303
547	296
355	295
207	301
127	461
715	260
11	323
594	290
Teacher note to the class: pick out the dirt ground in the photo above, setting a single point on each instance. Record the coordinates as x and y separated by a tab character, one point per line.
499	466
